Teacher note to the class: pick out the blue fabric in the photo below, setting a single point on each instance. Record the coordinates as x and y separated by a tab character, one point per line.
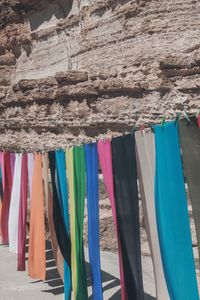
63	195
172	216
93	218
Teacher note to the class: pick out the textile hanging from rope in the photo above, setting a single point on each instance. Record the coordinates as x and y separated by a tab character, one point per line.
91	157
172	216
1	179
12	162
22	214
70	175
14	206
7	188
79	197
1	192
58	217
59	260
36	250
62	185
190	145
105	157
30	170
145	145
126	195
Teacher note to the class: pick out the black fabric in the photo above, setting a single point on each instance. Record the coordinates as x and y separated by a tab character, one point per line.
189	135
58	218
126	195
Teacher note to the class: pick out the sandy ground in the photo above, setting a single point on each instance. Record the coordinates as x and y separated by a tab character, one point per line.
17	285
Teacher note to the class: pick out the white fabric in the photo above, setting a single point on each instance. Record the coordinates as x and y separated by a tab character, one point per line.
145	148
14	206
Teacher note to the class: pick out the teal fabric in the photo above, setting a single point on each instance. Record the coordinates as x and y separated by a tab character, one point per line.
63	195
172	216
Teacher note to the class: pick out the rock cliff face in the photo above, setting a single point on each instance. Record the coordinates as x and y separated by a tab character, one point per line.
71	69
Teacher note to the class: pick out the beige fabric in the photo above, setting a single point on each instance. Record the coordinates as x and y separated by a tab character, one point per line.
49	204
145	149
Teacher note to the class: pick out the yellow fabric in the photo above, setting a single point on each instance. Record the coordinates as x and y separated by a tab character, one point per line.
70	176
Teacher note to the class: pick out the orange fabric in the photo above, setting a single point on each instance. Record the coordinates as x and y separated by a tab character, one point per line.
36	253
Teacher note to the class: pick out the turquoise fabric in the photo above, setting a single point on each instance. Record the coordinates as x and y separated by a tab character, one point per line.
63	195
172	216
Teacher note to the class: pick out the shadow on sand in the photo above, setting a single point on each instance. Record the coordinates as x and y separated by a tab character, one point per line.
56	285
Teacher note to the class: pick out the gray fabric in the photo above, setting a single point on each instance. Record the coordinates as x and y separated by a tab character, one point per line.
145	148
189	135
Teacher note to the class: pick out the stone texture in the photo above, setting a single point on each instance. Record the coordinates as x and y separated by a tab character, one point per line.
72	70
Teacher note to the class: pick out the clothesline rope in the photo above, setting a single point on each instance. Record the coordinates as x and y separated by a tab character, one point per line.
88	140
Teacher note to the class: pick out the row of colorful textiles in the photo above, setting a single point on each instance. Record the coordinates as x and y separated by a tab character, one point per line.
151	156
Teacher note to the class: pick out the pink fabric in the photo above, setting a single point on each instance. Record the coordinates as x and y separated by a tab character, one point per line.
22	214
105	157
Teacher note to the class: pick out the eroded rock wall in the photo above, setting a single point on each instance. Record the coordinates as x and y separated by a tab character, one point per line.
75	69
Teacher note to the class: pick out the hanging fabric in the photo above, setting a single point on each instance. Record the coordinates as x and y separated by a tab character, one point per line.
172	216
126	195
14	206
59	223
91	156
59	260
36	251
145	145
70	175
7	188
1	192
62	185
22	214
12	162
30	170
105	157
190	145
79	203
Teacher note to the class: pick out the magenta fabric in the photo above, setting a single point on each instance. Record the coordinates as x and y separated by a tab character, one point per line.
22	214
105	157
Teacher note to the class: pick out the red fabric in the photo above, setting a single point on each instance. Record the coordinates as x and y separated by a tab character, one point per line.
7	175
198	120
22	214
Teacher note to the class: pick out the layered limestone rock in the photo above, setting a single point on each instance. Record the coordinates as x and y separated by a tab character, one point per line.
71	70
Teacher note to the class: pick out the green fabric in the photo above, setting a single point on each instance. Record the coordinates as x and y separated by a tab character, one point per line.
79	198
